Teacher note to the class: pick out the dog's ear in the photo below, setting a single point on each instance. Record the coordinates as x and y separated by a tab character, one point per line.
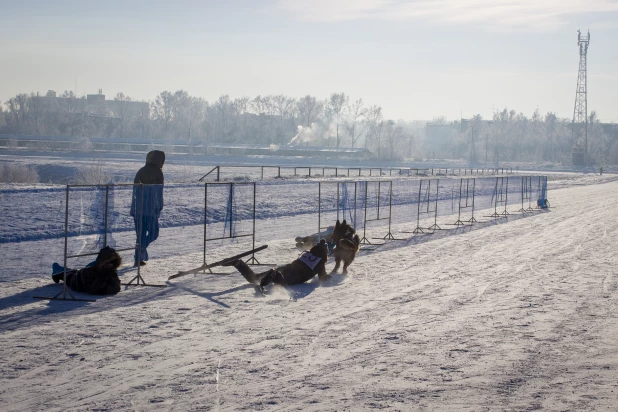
344	223
337	224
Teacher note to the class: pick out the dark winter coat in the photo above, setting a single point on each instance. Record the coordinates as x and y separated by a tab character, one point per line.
151	175
299	271
95	282
99	279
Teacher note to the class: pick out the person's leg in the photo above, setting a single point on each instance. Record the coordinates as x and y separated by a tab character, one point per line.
139	238
247	272
144	241
151	233
57	277
272	276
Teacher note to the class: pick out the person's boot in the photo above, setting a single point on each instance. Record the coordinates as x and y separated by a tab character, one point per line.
268	278
58	277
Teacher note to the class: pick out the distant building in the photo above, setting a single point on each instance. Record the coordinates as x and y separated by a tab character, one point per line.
96	105
439	135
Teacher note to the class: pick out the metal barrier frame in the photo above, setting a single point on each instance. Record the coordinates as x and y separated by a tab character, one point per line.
465	193
498	197
252	260
389	235
526	191
320	227
428	210
138	278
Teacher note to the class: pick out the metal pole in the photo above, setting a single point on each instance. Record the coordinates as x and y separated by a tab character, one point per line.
473	196
379	186
231	206
506	199
355	204
338	201
205	218
319	208
390	208
141	229
418	205
254	197
66	242
365	221
106	213
435	214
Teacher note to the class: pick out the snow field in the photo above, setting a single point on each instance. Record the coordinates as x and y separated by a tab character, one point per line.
516	313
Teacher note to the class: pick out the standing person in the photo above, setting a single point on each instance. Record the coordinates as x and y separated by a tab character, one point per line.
150	202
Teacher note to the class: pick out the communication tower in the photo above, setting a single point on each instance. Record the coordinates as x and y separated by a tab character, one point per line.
579	127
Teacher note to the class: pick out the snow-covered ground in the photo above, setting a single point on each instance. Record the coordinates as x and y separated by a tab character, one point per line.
515	313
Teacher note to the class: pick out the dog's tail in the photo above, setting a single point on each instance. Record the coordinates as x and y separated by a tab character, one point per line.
349	244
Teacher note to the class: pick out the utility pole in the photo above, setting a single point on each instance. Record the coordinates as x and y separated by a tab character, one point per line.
337	135
486	145
410	149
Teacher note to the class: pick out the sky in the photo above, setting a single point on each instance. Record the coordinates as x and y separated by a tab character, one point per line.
419	59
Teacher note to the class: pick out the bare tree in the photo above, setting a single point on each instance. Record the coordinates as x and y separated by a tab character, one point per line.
243	107
2	118
336	104
17	112
354	124
309	109
193	114
393	136
375	126
123	111
72	111
163	111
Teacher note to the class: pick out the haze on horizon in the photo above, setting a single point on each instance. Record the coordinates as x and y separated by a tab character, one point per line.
416	59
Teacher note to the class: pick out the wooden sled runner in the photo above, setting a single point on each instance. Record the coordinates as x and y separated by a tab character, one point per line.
218	263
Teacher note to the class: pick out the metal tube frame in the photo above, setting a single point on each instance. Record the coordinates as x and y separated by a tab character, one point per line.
252	260
435	225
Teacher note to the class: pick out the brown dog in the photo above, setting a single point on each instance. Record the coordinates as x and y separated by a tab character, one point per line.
347	244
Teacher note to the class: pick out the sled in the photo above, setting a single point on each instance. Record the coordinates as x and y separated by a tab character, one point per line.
218	263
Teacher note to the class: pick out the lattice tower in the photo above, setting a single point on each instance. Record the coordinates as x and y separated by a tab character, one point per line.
580	112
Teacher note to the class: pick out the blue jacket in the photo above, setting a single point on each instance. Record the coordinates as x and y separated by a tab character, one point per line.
151	176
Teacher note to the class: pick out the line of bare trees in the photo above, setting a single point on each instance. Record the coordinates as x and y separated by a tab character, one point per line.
512	136
337	121
178	116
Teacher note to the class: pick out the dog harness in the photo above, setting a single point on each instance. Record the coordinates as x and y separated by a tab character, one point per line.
310	260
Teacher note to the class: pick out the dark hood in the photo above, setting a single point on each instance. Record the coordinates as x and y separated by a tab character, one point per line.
320	250
156	158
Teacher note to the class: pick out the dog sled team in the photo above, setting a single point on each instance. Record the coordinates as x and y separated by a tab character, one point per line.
101	276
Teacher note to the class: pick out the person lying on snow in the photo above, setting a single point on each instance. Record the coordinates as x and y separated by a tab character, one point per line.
301	270
100	278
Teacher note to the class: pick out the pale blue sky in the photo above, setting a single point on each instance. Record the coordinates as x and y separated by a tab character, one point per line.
417	59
